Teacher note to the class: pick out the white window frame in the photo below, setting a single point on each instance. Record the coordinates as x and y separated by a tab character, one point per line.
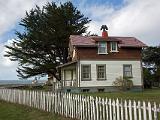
89	72
104	72
124	71
105	47
116	50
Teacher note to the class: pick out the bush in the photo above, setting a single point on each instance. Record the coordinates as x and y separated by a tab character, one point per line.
123	83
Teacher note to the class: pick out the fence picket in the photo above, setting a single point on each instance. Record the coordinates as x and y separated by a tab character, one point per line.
94	110
155	112
110	109
122	111
88	105
135	110
103	106
139	110
149	111
117	107
82	107
126	110
107	112
100	108
97	109
144	111
130	110
114	110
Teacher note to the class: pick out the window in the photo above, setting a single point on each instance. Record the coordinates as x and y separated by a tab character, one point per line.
101	72
85	90
86	72
113	46
68	90
127	70
101	90
102	47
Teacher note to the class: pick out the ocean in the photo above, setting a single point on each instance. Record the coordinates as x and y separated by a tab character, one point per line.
17	82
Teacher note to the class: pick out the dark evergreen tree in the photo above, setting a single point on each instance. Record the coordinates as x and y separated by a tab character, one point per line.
44	44
151	60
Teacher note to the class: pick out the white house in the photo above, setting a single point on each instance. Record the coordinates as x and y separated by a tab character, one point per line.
96	61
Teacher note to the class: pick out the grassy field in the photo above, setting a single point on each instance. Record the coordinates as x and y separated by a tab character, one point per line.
152	95
10	111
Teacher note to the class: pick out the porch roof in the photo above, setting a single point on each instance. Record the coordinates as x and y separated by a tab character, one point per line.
67	64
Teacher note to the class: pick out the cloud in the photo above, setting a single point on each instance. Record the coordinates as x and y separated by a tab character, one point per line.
12	11
138	18
7	67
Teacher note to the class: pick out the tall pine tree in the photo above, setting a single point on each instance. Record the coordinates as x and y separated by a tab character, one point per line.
44	44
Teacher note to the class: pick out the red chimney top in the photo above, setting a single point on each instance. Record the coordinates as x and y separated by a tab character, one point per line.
104	32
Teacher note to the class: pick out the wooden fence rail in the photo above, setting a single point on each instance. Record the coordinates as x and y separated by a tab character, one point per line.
83	107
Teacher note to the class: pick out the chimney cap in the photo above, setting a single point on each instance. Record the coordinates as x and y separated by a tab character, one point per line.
104	27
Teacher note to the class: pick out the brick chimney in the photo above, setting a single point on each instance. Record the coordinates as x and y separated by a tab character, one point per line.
104	32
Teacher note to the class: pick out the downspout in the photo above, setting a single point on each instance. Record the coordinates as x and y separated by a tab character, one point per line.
142	75
79	72
142	71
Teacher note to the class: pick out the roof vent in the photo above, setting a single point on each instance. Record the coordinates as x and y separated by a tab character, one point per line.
104	32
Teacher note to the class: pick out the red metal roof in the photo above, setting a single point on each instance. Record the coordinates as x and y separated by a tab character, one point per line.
89	41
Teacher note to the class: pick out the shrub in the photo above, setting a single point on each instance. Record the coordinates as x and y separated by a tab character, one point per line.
123	83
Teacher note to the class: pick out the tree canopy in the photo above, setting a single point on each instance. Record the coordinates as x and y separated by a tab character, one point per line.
151	60
44	43
151	55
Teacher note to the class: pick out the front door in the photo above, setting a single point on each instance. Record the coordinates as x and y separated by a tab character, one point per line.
69	77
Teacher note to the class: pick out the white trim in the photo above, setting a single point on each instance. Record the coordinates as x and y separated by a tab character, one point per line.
114	51
105	50
111	47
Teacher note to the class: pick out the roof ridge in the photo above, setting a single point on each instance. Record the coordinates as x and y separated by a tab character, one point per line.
108	36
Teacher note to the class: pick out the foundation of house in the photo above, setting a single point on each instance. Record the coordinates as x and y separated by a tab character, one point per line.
98	89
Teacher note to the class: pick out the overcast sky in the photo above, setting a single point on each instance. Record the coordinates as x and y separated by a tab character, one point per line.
137	18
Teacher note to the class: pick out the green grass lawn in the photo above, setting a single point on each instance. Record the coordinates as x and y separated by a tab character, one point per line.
152	95
9	111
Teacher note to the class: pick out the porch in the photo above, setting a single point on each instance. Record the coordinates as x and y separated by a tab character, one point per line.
69	75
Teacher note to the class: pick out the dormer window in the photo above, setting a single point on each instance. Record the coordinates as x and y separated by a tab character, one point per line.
114	47
102	47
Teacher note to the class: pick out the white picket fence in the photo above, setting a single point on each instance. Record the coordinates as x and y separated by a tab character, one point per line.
83	107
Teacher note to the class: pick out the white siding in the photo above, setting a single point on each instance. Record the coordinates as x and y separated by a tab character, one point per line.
114	69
